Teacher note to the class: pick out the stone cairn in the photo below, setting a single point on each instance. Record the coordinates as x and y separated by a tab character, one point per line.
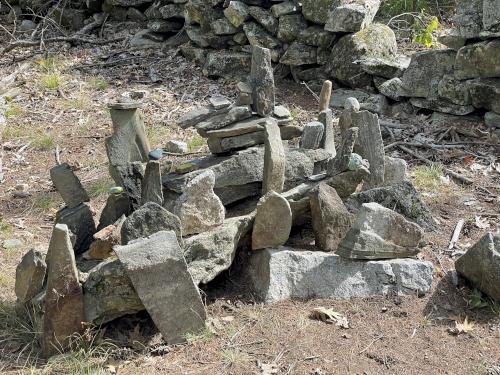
161	234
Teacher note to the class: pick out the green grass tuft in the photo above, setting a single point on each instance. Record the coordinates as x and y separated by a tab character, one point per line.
195	143
99	187
51	81
427	177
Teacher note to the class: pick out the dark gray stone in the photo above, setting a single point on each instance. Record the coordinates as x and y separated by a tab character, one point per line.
274	159
152	190
30	275
312	135
81	223
262	81
68	185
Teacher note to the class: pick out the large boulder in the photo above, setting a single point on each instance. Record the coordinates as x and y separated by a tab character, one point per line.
485	93
317	10
481	265
478	60
375	41
279	274
351	16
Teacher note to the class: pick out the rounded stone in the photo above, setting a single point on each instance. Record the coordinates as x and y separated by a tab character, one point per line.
352	104
155	154
116	190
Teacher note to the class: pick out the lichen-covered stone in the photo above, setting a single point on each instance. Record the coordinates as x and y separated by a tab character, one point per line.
351	16
478	60
290	26
317	10
299	54
485	93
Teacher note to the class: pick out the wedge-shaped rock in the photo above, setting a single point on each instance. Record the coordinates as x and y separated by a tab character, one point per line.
199	114
351	16
68	185
481	265
386	68
160	276
279	274
152	190
262	81
219	121
81	223
250	125
30	275
273	222
380	233
210	253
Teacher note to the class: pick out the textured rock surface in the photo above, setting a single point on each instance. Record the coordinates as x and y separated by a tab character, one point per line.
152	190
317	10
81	223
485	93
198	208
64	297
395	170
30	275
274	159
268	231
351	16
262	81
328	139
330	218
380	233
279	274
367	101
116	206
210	253
312	135
159	274
478	60
68	185
481	265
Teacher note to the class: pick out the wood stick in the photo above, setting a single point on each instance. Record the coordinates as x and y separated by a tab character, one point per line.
326	94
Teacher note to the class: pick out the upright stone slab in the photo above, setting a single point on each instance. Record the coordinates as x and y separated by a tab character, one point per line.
160	276
129	141
262	81
280	274
330	219
64	298
116	206
30	275
325	96
395	170
345	122
274	158
340	163
312	135
273	221
380	233
481	265
370	145
198	208
130	176
152	189
81	223
149	219
328	139
68	185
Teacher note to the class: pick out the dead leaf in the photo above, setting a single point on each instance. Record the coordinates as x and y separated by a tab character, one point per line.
326	315
267	368
343	323
482	223
462	327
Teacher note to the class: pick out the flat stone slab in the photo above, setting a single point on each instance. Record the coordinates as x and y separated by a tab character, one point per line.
159	273
283	273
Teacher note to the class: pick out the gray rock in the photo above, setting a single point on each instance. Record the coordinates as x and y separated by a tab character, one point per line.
478	60
152	190
149	219
237	12
198	115
481	265
351	16
219	101
375	41
402	198
205	38
290	26
136	15
469	18
177	147
346	183
392	88
159	274
128	3
312	135
232	194
491	15
116	206
340	163
262	81
279	274
223	26
265	18
27	25
227	64
250	125
81	223
30	275
492	120
198	208
210	253
299	54
455	91
395	170
64	297
12	243
109	293
244	94
380	233
328	139
273	221
394	67
274	159
280	111
442	105
317	10
258	36
234	114
164	26
197	12
426	69
367	101
451	38
129	176
175	10
68	185
281	9
316	36
146	38
485	93
330	218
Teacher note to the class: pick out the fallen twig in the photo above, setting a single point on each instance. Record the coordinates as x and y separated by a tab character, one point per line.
371	343
456	233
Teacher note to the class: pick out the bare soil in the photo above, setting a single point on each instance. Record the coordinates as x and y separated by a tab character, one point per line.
390	335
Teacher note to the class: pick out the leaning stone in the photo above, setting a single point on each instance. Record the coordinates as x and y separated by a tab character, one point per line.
258	36
312	135
299	54
274	159
402	198
284	8
128	142
81	223
237	13
340	163
262	81
130	176
280	274
265	18
351	17
442	105
395	170
152	190
30	275
481	265
380	233
367	101
177	147
485	93
64	297
290	26
198	208
478	60
233	115
210	253
160	276
149	219
330	218
116	206
68	185
273	221
328	139
387	68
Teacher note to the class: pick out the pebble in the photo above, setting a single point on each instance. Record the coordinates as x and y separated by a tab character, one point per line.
12	243
116	190
155	154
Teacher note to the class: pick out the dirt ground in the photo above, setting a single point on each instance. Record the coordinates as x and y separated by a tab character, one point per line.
61	102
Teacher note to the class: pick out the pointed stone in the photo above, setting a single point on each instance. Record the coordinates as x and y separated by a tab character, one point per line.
116	206
274	159
325	95
330	218
152	189
30	275
262	81
380	233
81	223
273	222
160	276
64	298
341	162
68	185
328	139
312	135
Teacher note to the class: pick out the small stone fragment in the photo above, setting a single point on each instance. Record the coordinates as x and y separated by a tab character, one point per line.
274	159
312	135
273	221
395	170
176	147
30	275
219	101
104	240
68	185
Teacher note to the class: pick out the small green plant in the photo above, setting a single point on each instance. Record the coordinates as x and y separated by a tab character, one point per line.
99	187
99	83
475	300
195	143
45	203
51	81
50	64
4	226
13	110
42	142
205	335
427	177
423	34
233	357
